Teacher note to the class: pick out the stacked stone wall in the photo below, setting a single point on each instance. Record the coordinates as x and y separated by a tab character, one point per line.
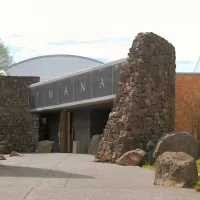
18	127
144	106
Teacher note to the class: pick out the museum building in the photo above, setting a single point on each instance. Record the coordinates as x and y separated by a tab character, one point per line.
75	96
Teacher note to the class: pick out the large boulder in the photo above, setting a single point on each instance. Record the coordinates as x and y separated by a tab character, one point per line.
177	142
4	150
2	157
132	158
44	146
14	153
175	169
94	144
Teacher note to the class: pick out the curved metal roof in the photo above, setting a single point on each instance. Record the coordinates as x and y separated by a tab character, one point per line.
56	55
90	69
51	66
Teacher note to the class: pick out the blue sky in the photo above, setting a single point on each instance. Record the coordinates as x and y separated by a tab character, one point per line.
103	30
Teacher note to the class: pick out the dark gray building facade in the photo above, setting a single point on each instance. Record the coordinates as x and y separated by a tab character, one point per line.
78	103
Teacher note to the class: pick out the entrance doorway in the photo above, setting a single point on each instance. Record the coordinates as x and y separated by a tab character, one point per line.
53	130
72	129
49	129
99	118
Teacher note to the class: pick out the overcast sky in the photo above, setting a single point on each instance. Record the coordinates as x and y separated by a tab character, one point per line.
100	29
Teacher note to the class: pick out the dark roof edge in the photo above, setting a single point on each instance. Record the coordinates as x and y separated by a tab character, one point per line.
54	55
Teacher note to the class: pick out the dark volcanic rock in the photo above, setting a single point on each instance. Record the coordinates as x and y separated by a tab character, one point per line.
176	169
177	142
132	158
144	105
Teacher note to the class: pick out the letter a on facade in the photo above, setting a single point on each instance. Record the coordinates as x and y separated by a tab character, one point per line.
102	83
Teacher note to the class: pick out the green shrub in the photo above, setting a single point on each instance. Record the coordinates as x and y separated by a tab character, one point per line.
198	165
197	185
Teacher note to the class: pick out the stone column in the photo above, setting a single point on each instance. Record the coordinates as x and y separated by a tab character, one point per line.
145	101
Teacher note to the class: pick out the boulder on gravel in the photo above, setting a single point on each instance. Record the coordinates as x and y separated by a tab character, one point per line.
3	150
132	158
94	144
44	146
177	142
176	169
14	153
2	157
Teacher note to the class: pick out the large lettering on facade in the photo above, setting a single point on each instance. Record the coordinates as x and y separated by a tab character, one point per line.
82	86
93	84
50	94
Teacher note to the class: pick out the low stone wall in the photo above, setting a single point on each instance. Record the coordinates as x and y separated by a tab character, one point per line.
18	127
144	106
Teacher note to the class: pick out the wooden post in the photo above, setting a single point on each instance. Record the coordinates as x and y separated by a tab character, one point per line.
68	133
62	131
65	135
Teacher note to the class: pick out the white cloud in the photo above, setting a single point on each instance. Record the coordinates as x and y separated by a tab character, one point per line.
110	52
42	21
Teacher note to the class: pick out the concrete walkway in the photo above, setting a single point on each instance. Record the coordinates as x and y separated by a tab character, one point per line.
76	177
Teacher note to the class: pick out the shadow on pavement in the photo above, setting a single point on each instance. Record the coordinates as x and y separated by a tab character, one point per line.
20	171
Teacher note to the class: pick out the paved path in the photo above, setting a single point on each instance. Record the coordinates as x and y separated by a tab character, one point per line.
76	177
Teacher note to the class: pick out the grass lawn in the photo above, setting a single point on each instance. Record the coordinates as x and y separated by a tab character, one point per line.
198	165
146	165
197	186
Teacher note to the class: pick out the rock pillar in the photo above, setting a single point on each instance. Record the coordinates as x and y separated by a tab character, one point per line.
145	101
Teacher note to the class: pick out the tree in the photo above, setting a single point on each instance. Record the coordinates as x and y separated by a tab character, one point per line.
1	73
5	58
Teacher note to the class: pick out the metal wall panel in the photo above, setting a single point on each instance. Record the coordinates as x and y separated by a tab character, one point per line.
51	94
93	84
65	87
116	76
38	96
82	86
33	98
102	82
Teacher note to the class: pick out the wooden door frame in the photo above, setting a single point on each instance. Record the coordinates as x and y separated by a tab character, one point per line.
65	135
